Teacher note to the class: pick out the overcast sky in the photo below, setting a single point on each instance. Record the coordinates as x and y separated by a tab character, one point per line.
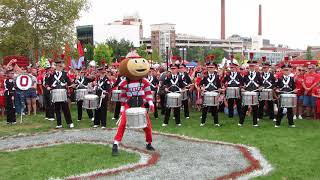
292	22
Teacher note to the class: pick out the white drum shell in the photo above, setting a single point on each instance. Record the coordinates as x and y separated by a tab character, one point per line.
80	93
136	118
174	100
232	92
288	100
116	96
211	99
90	101
266	95
250	98
58	95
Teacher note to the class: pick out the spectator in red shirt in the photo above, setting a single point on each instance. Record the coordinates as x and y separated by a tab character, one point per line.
309	82
316	95
298	79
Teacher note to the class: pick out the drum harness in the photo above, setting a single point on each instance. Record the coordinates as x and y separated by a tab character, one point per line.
103	91
285	83
251	79
265	80
211	82
80	82
233	78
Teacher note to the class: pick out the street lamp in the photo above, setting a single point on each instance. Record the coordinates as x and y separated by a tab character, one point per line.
167	57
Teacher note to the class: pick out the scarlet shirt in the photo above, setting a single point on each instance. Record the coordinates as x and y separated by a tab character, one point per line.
316	91
2	98
298	80
309	80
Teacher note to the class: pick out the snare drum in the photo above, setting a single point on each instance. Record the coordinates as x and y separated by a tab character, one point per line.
116	96
80	93
288	100
184	95
266	95
91	101
233	93
58	95
173	100
136	118
211	99
250	98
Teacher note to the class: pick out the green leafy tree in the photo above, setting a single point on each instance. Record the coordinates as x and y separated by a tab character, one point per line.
89	54
120	48
218	53
142	51
155	56
175	51
309	54
32	25
195	53
103	52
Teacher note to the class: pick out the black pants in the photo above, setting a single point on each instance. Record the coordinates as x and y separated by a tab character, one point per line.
231	102
79	107
58	106
185	104
117	110
10	110
48	105
163	103
176	112
289	115
254	114
214	113
270	109
100	114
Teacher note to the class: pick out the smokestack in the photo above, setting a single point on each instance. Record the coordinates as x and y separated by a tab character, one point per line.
223	19
260	21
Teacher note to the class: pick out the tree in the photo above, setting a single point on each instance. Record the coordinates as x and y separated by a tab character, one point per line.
32	25
121	48
175	51
309	54
195	53
89	54
218	53
103	52
155	56
142	51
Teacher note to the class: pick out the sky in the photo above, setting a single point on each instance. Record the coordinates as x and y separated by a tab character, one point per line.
290	22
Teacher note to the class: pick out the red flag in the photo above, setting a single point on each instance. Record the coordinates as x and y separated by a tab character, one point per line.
80	50
67	58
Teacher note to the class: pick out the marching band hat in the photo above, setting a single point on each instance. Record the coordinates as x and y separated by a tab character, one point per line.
286	58
183	65
78	69
233	65
252	63
286	66
266	64
211	64
174	66
101	69
311	66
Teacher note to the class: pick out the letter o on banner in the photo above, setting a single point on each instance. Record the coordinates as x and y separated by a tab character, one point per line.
24	82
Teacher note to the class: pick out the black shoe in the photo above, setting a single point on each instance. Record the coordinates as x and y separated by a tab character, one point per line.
115	151
149	147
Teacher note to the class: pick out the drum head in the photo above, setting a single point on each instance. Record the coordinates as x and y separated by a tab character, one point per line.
90	96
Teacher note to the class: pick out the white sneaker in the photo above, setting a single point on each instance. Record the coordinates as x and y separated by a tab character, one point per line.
179	125
294	117
71	126
256	125
51	119
201	125
95	126
59	127
258	119
274	120
46	118
173	118
276	126
112	118
78	120
103	127
240	125
292	126
217	125
14	123
164	125
188	117
300	117
92	119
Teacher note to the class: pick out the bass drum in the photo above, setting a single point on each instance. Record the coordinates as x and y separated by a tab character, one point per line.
24	82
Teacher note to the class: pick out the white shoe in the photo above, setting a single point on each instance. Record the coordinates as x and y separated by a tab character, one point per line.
46	118
173	118
59	127
179	125
112	118
164	125
201	125
276	126
200	117
240	125
300	117
292	126
256	125
103	127
258	119
188	117
92	119
294	117
95	126
217	125
71	126
274	120
78	120
51	119
14	123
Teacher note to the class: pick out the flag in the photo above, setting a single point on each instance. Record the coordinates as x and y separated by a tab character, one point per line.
67	57
81	55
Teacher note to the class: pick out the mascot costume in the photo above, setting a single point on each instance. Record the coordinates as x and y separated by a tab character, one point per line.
135	92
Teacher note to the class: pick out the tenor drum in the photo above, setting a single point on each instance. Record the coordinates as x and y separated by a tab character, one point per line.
211	99
288	100
91	101
58	95
173	100
80	93
266	95
116	96
250	98
233	92
136	118
184	95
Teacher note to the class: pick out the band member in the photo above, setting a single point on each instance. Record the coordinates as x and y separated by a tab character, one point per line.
118	104
9	96
60	80
154	82
103	86
135	92
173	83
210	83
252	82
49	107
268	82
82	82
187	83
234	79
286	85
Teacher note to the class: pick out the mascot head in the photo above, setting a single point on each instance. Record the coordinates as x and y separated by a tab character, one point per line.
134	68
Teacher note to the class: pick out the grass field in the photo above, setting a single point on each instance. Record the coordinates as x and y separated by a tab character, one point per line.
60	161
293	152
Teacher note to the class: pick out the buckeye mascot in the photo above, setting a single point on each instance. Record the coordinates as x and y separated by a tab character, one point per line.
135	93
